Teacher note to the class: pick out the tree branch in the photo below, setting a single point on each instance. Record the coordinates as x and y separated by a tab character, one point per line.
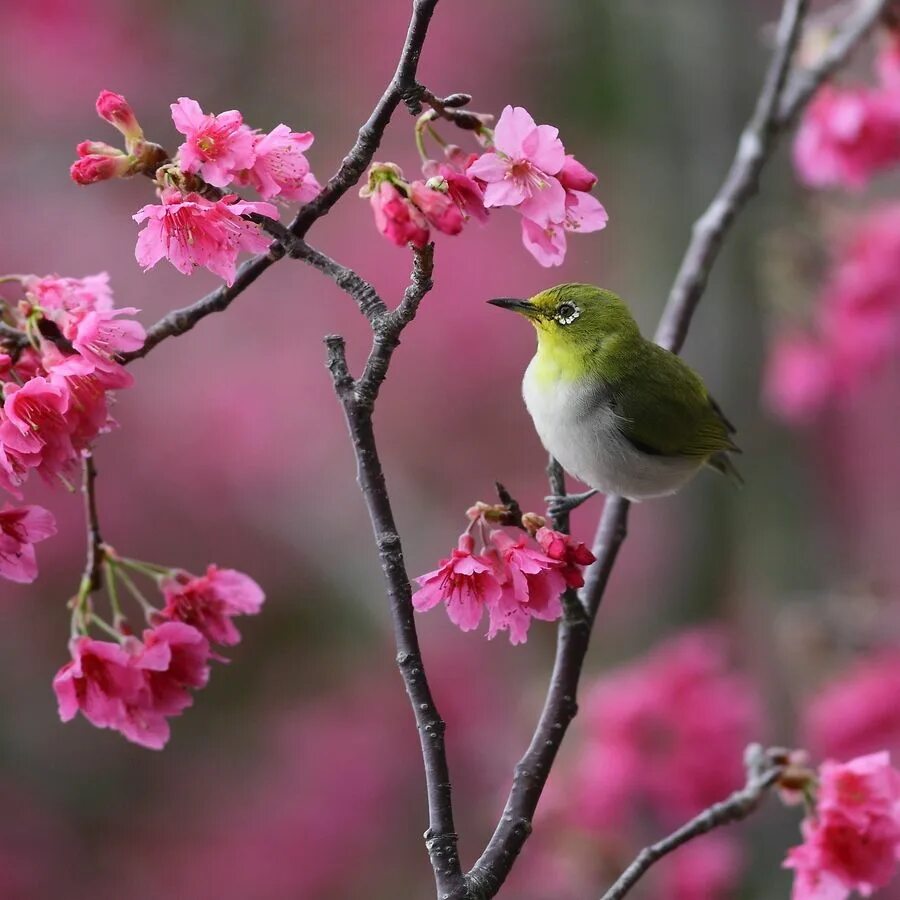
96	552
357	399
763	770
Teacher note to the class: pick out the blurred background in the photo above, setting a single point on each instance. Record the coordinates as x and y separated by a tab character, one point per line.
754	613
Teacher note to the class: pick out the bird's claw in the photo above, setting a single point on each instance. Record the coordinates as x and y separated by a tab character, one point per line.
561	505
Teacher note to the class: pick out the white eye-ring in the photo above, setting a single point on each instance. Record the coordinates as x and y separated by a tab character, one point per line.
567	313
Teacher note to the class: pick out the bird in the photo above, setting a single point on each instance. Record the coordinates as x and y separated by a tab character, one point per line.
617	411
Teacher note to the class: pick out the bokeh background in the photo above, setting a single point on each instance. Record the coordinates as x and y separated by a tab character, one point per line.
296	774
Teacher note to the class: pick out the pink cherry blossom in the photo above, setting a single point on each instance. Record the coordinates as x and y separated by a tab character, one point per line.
21	527
548	244
853	841
280	168
466	583
71	294
572	554
217	147
397	218
520	170
96	167
174	657
104	685
438	207
33	425
99	335
209	602
532	584
114	108
192	231
846	136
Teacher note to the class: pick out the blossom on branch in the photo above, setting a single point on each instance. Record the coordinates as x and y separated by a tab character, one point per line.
280	168
216	147
852	841
191	231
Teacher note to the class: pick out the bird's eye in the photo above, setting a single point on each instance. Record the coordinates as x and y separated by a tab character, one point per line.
567	313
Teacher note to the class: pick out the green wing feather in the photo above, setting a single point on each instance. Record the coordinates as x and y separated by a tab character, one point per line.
671	414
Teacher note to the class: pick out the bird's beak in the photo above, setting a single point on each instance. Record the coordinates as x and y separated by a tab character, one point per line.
519	306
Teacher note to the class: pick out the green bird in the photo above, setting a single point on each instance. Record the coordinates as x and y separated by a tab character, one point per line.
620	413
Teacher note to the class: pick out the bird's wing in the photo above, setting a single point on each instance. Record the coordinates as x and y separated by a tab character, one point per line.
672	414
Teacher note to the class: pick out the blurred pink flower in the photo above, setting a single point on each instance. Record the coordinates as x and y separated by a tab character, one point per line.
856	324
707	868
114	108
438	207
397	217
799	378
571	553
217	147
209	602
853	841
520	170
846	136
190	231
666	733
70	295
21	527
532	584
466	583
857	712
280	168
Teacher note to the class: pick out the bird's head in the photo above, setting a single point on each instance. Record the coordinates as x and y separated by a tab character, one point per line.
573	318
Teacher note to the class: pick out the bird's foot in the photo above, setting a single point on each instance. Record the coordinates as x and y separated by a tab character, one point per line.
561	505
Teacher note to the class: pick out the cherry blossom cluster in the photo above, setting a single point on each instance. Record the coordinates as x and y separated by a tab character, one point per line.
848	134
856	326
62	337
514	580
135	685
195	223
851	835
523	166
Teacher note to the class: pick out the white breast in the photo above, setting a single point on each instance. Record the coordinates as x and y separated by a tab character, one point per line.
579	428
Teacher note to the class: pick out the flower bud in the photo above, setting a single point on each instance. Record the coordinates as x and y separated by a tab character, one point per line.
576	177
96	167
88	148
114	109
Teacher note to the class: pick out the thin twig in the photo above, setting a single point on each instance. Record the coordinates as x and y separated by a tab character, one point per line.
763	771
96	550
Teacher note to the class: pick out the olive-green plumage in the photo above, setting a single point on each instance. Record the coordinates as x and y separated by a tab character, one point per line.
620	412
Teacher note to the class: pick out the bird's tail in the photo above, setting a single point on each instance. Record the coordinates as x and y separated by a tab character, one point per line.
723	463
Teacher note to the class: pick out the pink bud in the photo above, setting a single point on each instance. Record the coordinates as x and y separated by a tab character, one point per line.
87	148
97	167
576	177
438	207
114	109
